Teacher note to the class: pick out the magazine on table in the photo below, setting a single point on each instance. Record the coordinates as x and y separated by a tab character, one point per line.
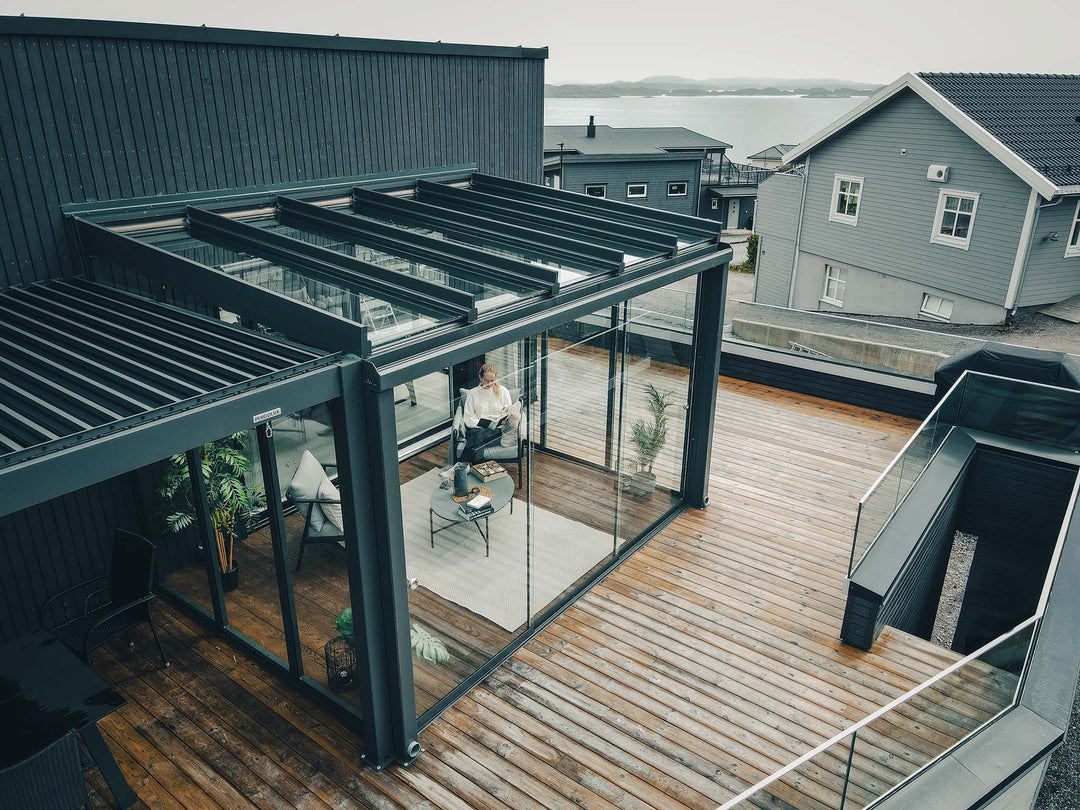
473	514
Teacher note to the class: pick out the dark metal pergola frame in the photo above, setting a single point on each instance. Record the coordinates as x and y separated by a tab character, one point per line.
590	235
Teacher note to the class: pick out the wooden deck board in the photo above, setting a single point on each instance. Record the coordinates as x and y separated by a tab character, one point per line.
705	662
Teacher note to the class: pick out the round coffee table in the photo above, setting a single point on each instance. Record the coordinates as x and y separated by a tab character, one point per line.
443	505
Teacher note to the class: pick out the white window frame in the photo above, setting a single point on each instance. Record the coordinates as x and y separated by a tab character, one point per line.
644	191
939	238
601	186
1072	238
683	183
834	215
714	204
839	284
932	306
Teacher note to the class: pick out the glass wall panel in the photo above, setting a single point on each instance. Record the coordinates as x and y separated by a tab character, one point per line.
469	572
422	404
654	367
180	547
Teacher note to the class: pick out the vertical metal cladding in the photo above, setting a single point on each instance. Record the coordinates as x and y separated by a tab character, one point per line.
101	118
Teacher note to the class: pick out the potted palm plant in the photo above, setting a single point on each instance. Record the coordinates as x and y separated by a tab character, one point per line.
231	502
649	437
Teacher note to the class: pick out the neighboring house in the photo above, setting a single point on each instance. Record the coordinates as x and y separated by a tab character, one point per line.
944	197
659	167
729	193
771	157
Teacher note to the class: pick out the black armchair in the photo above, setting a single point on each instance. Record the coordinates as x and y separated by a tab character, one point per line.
51	779
122	602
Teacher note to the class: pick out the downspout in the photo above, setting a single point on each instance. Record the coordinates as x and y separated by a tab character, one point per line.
798	232
1023	250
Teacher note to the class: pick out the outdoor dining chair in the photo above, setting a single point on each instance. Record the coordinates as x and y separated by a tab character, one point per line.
51	779
121	602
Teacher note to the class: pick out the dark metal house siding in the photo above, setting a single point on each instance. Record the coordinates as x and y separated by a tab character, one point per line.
49	547
1049	276
1015	506
911	605
103	118
898	203
615	175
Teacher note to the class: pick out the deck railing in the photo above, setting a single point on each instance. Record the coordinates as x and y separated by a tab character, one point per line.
727	173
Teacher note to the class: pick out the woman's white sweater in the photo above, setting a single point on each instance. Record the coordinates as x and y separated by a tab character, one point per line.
484	403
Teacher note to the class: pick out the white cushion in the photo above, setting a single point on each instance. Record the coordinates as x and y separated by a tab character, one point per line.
328	492
305	485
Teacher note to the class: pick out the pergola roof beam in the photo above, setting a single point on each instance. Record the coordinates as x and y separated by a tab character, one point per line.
307	323
425	296
624	236
231	342
681	224
59	418
27	378
106	339
575	253
482	264
59	340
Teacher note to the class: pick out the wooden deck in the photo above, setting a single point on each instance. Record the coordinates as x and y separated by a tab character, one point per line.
705	662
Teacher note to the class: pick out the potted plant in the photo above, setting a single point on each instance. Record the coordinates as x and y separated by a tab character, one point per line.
424	646
649	438
231	502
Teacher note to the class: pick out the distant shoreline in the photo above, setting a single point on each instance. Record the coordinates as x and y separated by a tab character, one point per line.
712	95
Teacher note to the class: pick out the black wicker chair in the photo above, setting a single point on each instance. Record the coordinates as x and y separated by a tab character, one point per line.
122	602
51	779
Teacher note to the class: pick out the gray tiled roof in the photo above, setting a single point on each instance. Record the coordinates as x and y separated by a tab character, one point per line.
1036	115
626	140
772	152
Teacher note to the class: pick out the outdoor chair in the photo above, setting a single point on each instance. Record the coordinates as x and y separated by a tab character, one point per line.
51	779
495	450
313	494
122	602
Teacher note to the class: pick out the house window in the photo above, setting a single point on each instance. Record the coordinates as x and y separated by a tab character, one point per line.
676	189
637	190
714	204
835	282
955	217
847	193
1072	245
936	307
597	190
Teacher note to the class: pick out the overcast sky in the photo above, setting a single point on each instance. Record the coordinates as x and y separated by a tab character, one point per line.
590	41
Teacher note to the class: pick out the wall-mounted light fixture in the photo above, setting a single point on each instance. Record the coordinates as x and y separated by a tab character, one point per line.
1052	236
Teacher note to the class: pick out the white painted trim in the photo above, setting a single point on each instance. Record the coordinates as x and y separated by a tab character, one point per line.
1012	161
1022	250
834	215
640	196
934	315
841	285
683	183
939	238
1073	250
602	186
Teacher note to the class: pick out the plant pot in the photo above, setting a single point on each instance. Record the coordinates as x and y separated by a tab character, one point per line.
230	580
642	484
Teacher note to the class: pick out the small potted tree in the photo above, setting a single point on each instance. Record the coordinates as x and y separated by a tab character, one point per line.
649	437
232	503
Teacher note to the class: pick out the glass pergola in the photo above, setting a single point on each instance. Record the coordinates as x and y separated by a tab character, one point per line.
602	321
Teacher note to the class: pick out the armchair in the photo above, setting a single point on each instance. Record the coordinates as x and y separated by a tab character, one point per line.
496	451
316	498
122	602
51	779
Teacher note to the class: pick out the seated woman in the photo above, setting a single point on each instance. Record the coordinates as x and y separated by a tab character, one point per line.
485	407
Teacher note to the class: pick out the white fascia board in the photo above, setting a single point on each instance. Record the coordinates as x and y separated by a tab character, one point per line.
1012	161
1022	250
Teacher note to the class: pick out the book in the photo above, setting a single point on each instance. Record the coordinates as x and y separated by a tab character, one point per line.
478	502
474	514
493	423
489	471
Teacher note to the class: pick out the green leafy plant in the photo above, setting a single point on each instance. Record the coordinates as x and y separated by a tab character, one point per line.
649	437
751	253
424	645
232	503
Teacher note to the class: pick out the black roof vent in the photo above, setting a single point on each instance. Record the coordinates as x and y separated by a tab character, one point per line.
590	132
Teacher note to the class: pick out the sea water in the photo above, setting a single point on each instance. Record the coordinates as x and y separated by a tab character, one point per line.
748	123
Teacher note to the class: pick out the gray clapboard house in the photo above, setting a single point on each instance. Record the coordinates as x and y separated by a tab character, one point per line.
655	166
944	197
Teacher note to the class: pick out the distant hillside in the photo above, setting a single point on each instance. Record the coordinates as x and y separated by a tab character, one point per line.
738	86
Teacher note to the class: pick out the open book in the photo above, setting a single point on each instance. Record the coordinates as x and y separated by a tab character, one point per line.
497	422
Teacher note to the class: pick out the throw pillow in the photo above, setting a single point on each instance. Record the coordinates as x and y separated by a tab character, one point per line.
510	429
305	485
328	492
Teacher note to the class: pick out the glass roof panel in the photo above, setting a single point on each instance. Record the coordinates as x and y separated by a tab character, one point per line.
385	320
487	292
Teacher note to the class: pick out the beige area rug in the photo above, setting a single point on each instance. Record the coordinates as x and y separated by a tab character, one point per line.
558	551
